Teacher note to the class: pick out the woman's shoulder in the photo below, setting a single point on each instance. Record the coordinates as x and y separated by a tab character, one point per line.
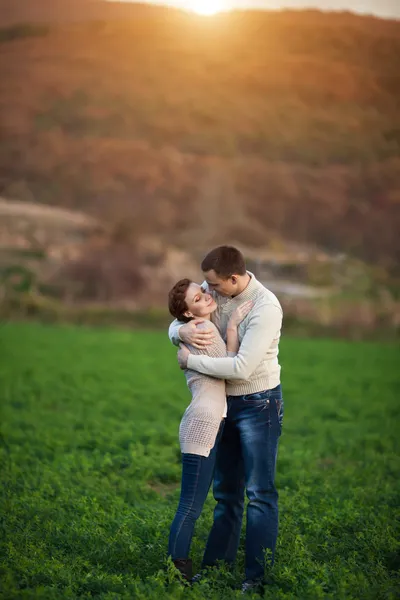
216	348
206	326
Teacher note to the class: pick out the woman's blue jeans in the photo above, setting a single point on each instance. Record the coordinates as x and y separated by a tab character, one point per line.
246	460
197	475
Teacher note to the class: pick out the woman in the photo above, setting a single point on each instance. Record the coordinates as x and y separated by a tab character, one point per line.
203	420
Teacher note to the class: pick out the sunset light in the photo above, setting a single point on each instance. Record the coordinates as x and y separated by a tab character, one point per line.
205	7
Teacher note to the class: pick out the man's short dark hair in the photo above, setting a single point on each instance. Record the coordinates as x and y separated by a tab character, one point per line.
225	261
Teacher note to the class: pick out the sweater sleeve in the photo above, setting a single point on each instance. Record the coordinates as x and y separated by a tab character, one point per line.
173	332
263	327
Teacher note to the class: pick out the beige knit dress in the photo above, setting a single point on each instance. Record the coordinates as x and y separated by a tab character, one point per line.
202	418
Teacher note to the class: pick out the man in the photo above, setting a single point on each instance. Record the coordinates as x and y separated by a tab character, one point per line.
247	451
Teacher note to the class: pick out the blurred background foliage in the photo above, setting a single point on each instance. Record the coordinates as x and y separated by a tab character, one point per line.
278	132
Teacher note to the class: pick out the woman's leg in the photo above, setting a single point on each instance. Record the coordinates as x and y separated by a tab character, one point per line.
197	474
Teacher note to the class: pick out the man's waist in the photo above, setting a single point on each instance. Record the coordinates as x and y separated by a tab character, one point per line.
256	395
258	382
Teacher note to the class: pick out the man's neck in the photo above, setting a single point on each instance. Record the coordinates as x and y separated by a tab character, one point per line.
243	282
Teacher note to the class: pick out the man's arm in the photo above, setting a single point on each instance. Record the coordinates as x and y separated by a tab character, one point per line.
189	333
173	332
263	327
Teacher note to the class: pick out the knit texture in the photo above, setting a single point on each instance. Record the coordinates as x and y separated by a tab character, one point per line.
202	418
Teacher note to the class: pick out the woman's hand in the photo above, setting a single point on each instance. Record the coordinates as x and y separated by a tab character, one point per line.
239	314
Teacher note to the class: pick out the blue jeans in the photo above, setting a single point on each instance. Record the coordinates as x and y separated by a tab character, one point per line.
197	475
246	459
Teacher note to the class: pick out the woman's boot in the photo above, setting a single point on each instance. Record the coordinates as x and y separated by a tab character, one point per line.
184	566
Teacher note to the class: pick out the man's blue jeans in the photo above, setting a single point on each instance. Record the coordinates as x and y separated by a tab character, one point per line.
246	459
197	475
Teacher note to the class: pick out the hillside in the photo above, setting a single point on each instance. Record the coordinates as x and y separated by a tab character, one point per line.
249	127
62	11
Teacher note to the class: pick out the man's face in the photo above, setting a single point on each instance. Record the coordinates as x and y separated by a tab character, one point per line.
223	287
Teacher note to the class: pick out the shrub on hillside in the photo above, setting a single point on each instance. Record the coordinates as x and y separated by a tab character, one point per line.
101	274
22	30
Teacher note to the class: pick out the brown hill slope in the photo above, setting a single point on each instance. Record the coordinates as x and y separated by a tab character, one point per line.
240	127
65	11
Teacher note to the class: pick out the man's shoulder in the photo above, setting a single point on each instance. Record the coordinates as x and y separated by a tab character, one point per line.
265	297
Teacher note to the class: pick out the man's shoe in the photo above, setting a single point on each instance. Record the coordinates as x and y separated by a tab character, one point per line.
197	578
253	585
184	566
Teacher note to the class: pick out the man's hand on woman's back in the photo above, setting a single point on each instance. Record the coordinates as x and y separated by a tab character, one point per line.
197	337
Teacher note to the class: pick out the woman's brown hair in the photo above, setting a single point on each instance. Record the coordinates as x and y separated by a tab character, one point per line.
177	300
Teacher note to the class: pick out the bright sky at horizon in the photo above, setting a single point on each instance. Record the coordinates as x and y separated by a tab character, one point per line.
384	8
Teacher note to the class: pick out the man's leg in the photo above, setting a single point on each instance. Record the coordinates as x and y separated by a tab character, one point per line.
260	428
228	490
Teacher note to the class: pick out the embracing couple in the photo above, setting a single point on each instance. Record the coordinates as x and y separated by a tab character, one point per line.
228	330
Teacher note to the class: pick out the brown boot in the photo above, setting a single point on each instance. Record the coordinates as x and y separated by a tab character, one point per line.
184	566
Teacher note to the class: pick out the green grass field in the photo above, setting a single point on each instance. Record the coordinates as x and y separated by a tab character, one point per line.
91	466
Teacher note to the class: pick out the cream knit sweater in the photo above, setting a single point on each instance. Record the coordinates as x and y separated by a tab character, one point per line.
202	418
255	368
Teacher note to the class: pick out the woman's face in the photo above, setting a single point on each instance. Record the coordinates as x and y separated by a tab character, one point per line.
199	303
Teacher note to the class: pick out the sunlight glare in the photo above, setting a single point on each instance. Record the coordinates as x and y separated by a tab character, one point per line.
205	7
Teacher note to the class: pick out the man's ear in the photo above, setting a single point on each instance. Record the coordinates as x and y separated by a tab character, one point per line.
234	279
188	314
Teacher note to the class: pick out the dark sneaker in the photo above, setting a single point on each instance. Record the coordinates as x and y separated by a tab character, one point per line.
197	578
254	586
